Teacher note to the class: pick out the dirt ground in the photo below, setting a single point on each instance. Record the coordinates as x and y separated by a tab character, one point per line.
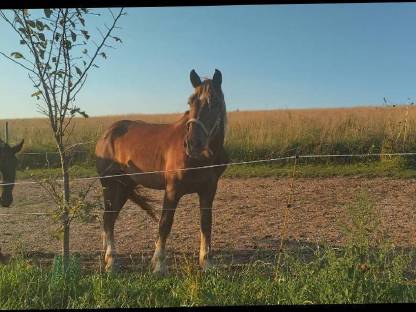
247	218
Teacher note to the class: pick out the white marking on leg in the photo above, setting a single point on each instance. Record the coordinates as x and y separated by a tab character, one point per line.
110	253
159	258
204	252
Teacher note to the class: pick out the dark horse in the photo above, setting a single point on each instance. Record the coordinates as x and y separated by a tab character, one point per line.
8	164
194	140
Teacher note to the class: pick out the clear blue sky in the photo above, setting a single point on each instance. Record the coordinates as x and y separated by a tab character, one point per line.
274	56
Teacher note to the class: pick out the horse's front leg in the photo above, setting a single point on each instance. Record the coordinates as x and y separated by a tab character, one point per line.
206	198
170	202
115	196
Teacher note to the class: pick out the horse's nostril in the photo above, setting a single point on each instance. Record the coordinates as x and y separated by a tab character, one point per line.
198	144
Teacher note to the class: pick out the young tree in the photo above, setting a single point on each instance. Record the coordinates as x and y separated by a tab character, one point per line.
59	53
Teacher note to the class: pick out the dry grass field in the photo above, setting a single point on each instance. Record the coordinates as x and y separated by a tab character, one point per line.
261	134
346	238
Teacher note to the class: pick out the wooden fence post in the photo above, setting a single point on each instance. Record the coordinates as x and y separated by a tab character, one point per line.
6	132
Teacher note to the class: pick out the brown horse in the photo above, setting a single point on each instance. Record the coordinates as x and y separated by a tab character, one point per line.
194	140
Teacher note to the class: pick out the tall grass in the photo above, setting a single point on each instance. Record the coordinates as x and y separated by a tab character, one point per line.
367	270
258	134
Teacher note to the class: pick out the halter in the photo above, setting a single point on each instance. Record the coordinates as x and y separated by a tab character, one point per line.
201	124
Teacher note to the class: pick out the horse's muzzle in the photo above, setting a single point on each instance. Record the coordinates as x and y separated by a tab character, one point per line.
198	154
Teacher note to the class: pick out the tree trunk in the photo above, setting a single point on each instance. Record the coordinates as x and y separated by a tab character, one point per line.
65	214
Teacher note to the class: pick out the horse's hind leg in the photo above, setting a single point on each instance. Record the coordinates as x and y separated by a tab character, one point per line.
115	196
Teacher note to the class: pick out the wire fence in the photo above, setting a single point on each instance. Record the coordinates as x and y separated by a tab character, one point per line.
223	165
150	228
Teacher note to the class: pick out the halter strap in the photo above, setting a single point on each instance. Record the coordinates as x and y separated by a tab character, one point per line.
201	124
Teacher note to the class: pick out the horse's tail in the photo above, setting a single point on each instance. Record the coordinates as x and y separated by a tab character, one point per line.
142	201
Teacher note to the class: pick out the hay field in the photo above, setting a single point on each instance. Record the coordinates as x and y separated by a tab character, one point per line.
261	134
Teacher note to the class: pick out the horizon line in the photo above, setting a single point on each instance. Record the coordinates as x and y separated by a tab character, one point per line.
383	105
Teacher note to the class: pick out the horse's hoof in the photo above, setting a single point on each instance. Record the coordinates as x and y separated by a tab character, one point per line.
160	273
4	259
159	269
207	266
112	268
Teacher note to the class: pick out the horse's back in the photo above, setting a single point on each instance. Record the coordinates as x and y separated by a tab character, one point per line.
136	131
133	146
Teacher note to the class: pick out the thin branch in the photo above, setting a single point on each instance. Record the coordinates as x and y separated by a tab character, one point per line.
13	60
68	90
35	85
52	41
109	46
79	87
15	29
101	33
45	87
98	49
112	14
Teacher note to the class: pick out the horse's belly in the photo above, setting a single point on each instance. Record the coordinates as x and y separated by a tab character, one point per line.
153	181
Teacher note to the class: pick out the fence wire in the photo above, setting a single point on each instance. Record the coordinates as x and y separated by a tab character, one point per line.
149	233
220	165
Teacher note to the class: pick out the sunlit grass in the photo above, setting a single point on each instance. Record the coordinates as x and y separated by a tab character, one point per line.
367	270
252	135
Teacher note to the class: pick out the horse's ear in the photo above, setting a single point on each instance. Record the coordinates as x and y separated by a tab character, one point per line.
195	80
17	147
217	79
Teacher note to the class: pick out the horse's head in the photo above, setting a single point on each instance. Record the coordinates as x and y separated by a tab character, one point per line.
207	116
8	164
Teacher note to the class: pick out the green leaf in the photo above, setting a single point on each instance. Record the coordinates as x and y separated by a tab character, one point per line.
57	36
17	55
73	36
117	39
96	66
48	12
37	93
42	36
43	44
41	53
68	44
22	42
81	20
25	12
18	20
39	25
103	55
85	51
85	33
31	23
79	72
85	63
75	110
54	59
